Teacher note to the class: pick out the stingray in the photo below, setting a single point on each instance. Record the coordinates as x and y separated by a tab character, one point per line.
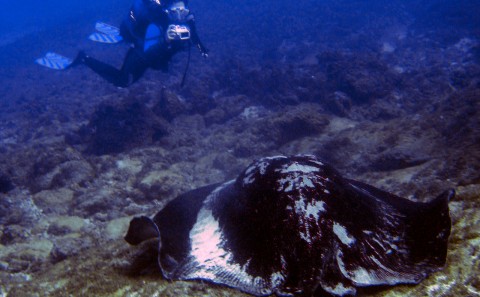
293	226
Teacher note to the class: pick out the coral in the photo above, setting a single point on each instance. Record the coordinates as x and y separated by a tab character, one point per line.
115	128
363	77
170	105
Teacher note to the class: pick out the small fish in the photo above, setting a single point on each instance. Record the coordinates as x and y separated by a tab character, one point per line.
294	226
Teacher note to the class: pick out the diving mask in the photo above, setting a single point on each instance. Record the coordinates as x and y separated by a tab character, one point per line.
177	11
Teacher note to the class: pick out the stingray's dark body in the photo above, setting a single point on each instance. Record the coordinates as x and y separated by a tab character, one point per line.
294	226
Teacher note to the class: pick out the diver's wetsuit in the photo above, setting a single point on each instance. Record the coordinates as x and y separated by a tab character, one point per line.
147	51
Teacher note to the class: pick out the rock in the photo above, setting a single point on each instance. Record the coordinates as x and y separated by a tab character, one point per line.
157	184
226	109
363	77
69	173
253	112
63	225
215	116
12	234
115	128
225	162
395	161
68	246
26	256
54	201
17	207
6	184
72	173
339	103
295	123
55	166
103	203
3	267
117	228
170	105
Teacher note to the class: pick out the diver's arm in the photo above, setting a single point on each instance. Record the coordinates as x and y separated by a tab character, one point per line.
194	37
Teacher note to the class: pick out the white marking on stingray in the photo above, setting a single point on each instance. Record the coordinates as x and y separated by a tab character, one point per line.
317	162
310	209
295	167
314	209
262	167
306	235
276	279
376	261
297	180
387	242
285	185
308	215
306	182
206	241
385	275
210	260
248	179
362	276
250	169
340	290
343	235
340	263
278	157
380	275
359	276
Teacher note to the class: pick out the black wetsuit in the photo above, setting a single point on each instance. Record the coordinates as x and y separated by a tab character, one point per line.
140	57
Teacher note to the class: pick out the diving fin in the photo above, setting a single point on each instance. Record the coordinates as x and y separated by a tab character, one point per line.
105	38
106	33
54	61
106	28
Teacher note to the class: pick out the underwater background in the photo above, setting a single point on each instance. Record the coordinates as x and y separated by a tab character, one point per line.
387	93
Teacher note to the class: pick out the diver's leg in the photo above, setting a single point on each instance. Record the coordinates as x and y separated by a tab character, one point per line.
108	72
158	57
134	66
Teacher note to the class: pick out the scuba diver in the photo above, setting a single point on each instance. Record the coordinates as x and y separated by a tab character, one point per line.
156	32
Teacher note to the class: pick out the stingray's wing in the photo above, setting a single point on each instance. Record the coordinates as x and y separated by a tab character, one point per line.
175	223
205	254
405	242
141	229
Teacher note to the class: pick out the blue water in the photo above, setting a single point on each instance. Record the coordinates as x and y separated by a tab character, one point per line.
261	21
19	18
252	30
